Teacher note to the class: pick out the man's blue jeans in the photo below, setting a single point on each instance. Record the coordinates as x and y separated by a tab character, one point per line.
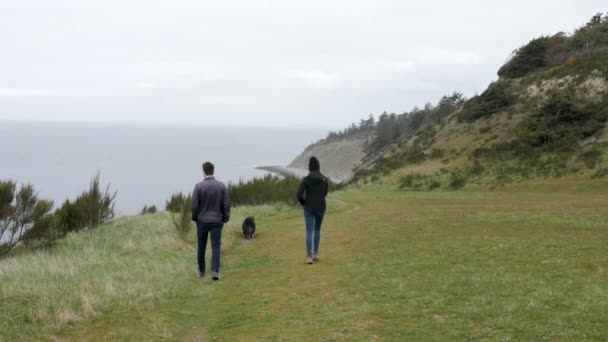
203	230
313	224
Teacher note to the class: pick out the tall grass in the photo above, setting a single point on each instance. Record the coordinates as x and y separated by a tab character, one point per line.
182	221
129	264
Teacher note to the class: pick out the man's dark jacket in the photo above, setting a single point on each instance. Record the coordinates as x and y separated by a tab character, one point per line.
210	202
312	192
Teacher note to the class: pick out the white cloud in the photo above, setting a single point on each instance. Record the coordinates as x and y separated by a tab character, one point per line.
315	78
316	62
25	92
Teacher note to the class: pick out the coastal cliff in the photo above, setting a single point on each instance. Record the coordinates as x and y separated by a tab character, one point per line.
338	158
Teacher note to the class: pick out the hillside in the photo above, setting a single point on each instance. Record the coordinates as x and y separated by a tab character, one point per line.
338	157
545	117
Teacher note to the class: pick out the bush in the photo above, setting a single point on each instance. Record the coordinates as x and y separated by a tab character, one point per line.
496	98
456	180
437	153
44	232
149	210
182	221
562	121
601	173
433	184
593	34
19	212
411	181
529	58
265	190
177	201
591	158
88	210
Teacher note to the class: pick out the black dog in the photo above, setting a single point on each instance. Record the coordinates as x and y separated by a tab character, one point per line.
249	227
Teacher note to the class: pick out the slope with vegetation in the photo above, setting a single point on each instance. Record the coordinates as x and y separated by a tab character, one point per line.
545	117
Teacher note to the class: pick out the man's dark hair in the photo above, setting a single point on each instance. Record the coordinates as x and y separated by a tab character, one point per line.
208	168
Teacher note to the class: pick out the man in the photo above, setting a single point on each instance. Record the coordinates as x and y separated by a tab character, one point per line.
210	210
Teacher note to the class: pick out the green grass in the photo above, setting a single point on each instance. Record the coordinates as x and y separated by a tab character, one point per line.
527	262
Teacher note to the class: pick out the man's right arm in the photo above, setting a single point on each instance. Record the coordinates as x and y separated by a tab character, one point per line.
195	204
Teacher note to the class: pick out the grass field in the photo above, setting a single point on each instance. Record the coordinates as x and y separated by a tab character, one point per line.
527	262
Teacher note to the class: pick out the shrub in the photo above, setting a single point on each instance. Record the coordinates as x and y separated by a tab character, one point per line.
529	58
44	232
19	212
177	201
601	173
494	99
412	181
437	153
476	169
149	210
433	184
593	34
591	157
456	180
562	121
182	221
265	190
413	154
88	210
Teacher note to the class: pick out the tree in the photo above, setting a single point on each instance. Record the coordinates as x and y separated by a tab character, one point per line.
370	122
19	212
527	59
594	33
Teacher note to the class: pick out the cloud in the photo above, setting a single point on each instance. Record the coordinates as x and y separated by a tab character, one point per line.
315	78
25	92
314	62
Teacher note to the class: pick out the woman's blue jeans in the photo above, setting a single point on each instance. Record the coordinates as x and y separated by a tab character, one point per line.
313	224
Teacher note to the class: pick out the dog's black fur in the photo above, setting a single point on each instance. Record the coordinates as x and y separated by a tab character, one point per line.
249	227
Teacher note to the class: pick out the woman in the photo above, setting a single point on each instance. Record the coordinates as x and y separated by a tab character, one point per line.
311	195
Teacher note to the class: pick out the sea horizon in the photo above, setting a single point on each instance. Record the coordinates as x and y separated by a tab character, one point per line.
143	163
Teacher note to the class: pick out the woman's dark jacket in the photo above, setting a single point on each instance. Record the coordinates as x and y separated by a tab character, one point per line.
312	192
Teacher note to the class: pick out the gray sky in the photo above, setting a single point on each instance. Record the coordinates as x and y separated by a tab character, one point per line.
307	63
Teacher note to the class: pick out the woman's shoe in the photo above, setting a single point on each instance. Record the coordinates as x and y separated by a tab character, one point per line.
309	260
315	257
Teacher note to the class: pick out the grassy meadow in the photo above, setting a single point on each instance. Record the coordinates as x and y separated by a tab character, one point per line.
525	262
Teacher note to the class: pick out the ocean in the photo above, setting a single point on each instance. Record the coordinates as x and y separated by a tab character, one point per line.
145	164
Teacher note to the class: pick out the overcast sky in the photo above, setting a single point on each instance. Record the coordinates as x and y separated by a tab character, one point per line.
308	63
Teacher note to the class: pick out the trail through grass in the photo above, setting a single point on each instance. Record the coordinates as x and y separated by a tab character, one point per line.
527	263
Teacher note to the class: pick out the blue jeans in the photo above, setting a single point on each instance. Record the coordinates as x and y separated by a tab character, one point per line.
313	223
202	231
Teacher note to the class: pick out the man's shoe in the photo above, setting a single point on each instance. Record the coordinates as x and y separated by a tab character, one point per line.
201	274
215	276
315	257
309	260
